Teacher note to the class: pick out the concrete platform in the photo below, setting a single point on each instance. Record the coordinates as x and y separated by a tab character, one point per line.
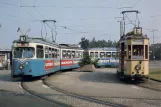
101	83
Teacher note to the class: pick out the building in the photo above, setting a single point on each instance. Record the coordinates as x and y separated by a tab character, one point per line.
155	51
5	58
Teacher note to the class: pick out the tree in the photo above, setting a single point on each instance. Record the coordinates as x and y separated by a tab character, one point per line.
93	43
84	43
87	60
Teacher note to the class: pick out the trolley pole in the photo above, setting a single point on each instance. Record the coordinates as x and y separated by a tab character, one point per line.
153	30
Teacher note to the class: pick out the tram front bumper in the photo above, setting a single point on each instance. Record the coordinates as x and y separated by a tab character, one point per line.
137	76
21	73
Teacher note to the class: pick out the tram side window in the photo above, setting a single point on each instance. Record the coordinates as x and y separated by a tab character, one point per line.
113	54
50	53
73	54
92	54
129	51
108	54
146	52
40	51
53	52
96	54
81	54
76	54
64	53
58	53
46	52
102	54
68	54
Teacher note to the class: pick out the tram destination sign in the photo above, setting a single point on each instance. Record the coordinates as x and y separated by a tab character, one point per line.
138	42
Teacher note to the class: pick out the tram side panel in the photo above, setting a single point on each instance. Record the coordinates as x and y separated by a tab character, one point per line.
35	67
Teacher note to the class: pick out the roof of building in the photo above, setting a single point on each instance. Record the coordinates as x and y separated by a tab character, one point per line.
5	50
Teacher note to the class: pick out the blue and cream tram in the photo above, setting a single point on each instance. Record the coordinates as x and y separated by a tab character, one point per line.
107	56
36	57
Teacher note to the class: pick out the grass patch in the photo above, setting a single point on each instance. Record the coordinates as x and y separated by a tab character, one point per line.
155	74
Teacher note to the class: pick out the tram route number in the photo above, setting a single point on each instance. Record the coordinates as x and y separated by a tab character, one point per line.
66	62
49	64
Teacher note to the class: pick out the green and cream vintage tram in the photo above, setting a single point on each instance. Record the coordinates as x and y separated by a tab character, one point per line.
134	55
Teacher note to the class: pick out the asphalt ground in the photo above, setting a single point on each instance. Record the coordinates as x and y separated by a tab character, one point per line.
12	94
8	99
103	84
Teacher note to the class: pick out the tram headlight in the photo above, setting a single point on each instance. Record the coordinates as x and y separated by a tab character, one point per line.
137	67
21	67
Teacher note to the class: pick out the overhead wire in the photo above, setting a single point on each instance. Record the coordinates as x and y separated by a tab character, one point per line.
21	18
9	4
41	30
130	19
136	3
45	30
34	2
15	17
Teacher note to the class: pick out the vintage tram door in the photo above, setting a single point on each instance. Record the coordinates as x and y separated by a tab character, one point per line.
122	57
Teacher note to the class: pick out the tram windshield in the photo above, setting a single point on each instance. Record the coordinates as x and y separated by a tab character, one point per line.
138	52
24	52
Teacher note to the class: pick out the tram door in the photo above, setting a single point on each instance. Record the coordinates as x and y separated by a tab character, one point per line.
122	56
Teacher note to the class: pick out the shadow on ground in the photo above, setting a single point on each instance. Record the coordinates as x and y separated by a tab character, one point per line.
5	75
104	77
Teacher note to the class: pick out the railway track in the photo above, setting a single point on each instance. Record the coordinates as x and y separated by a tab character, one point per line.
152	85
24	87
74	96
85	97
106	102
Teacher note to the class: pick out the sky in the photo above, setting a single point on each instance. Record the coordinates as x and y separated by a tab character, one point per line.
81	18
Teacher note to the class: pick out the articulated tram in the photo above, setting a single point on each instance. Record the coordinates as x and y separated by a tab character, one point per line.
37	57
133	51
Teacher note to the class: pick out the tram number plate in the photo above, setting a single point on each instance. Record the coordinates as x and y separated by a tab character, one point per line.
49	64
137	42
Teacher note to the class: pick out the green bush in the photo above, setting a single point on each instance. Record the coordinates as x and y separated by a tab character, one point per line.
86	60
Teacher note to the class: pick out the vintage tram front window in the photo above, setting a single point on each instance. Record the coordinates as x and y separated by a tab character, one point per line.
24	52
138	52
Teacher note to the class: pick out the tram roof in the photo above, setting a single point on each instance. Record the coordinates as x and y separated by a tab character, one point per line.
69	46
103	49
37	40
